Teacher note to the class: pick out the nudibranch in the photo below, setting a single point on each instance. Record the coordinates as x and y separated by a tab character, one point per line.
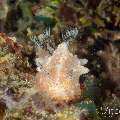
58	78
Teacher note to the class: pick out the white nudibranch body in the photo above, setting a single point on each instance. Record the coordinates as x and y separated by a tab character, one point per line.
58	78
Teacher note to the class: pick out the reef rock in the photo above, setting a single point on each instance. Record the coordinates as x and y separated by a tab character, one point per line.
58	78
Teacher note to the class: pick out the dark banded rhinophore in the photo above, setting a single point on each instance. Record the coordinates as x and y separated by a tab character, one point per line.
69	33
35	40
41	39
44	40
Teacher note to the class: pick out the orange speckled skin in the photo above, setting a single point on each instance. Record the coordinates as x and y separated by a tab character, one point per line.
62	81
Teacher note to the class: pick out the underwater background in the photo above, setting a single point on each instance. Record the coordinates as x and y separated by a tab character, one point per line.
59	60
